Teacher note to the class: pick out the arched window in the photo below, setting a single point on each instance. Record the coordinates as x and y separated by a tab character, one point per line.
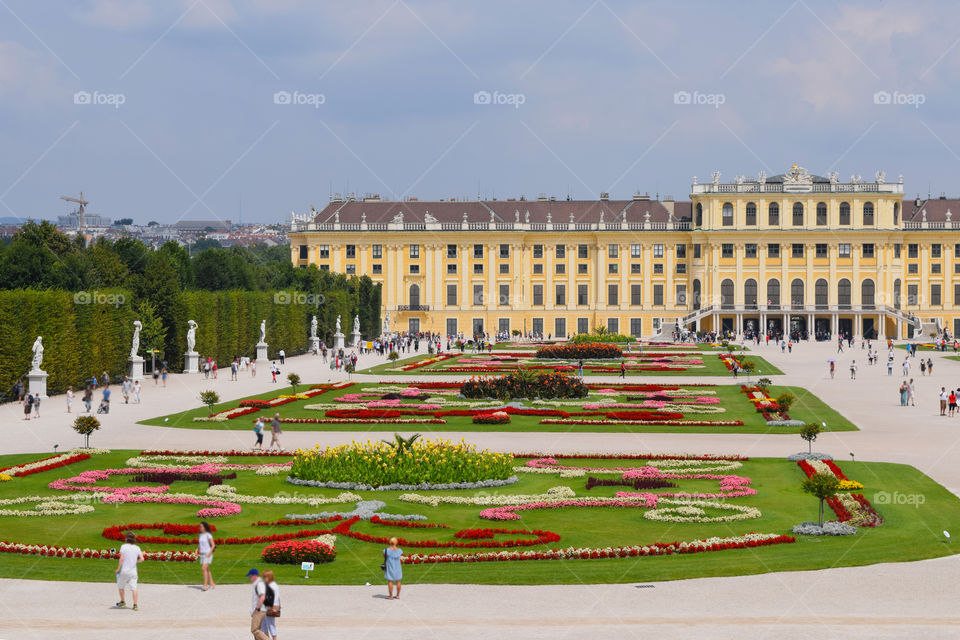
696	294
727	214
896	293
699	215
843	293
773	214
414	295
796	291
726	293
750	293
821	293
845	213
751	214
896	213
773	292
821	214
868	293
868	214
798	214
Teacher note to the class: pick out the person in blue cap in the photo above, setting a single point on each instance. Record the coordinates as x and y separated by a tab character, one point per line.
257	609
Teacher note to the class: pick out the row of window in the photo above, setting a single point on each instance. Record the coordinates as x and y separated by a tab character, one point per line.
560	295
867	250
538	326
773	214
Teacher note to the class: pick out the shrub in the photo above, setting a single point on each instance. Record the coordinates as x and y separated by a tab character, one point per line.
589	350
85	425
763	383
378	464
496	417
297	551
525	384
294	380
349	368
209	398
785	401
392	356
809	432
821	486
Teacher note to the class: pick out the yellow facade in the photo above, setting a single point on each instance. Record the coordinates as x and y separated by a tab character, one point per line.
794	251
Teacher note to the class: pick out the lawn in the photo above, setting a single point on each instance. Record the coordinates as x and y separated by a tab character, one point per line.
734	405
911	530
700	360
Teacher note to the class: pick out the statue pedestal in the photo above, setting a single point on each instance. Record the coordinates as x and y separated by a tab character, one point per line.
355	339
338	341
315	345
37	380
191	362
135	368
262	352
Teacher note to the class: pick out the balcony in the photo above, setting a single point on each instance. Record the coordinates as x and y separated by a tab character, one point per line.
413	307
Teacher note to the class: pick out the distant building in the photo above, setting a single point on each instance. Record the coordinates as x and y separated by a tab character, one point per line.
195	226
71	222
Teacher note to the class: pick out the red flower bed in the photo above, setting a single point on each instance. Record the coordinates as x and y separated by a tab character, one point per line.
478	534
637	483
80	457
643	415
495	417
117	532
168	476
257	404
539	537
586	351
297	551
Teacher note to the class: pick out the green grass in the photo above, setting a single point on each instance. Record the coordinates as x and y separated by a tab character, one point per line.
712	366
909	532
807	407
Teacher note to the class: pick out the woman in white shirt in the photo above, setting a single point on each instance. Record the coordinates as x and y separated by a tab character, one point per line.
205	547
271	599
69	399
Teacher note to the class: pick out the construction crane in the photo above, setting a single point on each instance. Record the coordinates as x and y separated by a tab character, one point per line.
82	203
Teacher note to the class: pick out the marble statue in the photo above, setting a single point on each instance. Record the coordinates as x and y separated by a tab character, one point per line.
263	331
191	336
313	327
135	347
356	324
386	323
338	323
37	354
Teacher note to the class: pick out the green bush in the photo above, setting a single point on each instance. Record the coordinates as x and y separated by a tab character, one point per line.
583	338
85	425
294	380
785	400
525	384
379	464
393	356
209	398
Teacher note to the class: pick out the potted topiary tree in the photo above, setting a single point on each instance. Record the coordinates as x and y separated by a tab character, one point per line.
809	432
294	380
85	425
209	398
785	401
821	486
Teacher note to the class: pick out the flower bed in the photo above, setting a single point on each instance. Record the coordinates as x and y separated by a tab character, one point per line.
45	464
53	551
588	351
378	464
545	385
537	537
496	417
297	551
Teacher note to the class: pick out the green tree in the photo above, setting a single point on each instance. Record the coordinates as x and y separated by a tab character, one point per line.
153	334
809	432
821	486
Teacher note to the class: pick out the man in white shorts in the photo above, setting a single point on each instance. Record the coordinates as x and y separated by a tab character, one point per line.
130	557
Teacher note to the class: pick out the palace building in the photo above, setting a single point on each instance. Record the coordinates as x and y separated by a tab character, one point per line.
794	252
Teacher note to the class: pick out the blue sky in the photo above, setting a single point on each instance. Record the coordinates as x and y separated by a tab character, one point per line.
388	99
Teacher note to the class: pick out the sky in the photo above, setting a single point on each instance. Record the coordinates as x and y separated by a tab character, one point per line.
221	109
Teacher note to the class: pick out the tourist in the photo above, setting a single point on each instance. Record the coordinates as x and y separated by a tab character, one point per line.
156	376
126	573
18	390
923	367
271	602
36	405
253	368
282	355
106	379
790	347
205	548
125	389
106	396
623	369
853	369
274	370
952	402
904	393
213	369
136	391
257	611
258	430
88	398
944	399
906	367
392	569
912	393
840	345
163	375
233	370
69	399
832	368
27	406
275	432
580	368
889	367
930	366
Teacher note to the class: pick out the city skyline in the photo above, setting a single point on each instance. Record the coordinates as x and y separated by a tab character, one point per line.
168	111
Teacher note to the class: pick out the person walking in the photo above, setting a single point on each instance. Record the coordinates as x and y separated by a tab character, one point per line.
271	602
88	398
929	366
283	356
163	375
906	367
233	370
126	573
944	399
912	393
156	376
27	406
136	391
69	399
392	568
125	388
253	368
923	367
274	370
889	367
623	369
832	368
840	345
275	432
904	393
258	430
205	548
853	369
36	405
952	402
257	611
